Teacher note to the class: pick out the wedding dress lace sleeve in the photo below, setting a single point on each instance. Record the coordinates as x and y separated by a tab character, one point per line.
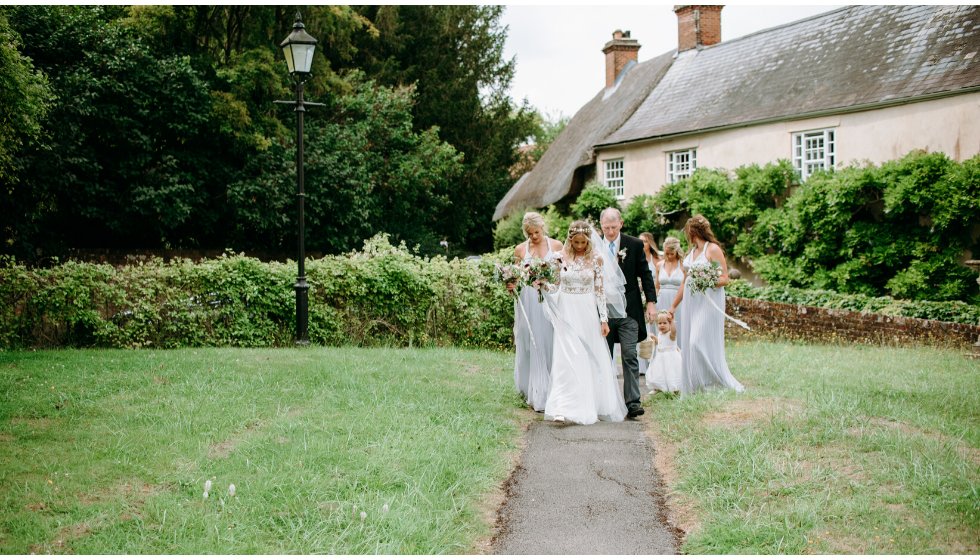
600	293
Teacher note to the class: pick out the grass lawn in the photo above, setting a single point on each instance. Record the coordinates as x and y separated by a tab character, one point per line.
832	449
108	451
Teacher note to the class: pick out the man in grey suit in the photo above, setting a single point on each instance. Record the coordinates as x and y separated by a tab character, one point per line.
629	330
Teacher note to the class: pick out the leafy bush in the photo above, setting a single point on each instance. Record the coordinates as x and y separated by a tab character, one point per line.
594	198
901	229
508	231
641	215
382	295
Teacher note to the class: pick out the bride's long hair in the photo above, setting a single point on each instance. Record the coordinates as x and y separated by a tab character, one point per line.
579	227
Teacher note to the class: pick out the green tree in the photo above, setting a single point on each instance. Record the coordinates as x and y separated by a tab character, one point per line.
454	56
134	157
366	171
25	98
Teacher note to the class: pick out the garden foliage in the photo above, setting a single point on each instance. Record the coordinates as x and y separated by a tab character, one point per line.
155	127
901	229
381	295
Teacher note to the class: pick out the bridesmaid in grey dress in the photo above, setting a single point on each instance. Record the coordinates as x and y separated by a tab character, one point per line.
669	277
532	359
702	328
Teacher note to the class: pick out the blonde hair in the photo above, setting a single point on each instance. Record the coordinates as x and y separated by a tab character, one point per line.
579	227
670	321
672	243
533	219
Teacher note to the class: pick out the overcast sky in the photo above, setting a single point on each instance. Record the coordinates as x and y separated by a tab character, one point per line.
558	48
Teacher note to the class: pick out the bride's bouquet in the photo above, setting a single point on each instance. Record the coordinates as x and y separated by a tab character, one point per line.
702	276
540	269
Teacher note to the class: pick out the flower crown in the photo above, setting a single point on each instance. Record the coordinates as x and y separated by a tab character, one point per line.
575	230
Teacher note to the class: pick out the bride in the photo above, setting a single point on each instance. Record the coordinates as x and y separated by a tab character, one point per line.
583	384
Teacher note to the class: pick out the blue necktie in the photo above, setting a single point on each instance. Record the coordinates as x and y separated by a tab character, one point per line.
612	248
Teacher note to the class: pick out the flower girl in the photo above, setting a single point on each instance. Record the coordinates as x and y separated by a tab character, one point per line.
664	373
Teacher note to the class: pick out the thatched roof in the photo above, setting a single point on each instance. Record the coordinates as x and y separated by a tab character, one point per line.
850	59
551	178
853	58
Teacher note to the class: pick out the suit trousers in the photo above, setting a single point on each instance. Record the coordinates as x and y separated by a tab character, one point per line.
625	331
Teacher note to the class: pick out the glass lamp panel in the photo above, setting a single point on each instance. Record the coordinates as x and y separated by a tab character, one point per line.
287	51
304	57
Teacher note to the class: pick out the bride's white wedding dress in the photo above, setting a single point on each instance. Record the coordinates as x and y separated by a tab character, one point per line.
583	384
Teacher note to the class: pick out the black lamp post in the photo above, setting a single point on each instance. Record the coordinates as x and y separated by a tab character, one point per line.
298	49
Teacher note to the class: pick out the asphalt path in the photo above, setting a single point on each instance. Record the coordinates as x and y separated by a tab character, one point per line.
585	490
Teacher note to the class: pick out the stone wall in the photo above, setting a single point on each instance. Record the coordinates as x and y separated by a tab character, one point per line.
837	325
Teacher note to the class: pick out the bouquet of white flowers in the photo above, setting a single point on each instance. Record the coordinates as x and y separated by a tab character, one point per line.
702	276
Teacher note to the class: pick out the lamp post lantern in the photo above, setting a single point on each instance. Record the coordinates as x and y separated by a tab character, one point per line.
298	49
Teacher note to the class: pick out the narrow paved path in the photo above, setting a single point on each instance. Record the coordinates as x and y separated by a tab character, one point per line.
585	490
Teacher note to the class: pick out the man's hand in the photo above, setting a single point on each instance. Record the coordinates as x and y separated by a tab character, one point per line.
651	314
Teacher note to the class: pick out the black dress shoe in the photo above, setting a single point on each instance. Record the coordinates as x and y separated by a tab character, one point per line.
634	412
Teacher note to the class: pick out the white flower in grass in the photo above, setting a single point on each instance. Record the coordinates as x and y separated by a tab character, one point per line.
205	494
207	486
363	516
384	508
231	490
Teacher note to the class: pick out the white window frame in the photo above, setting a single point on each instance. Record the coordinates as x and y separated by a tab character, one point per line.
814	150
681	164
614	176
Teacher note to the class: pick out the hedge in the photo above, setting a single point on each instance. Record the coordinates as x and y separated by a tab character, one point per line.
380	296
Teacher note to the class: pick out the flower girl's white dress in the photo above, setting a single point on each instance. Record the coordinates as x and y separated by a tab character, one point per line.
583	384
664	373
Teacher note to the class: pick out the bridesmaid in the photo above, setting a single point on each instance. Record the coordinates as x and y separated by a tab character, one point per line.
669	277
532	360
702	330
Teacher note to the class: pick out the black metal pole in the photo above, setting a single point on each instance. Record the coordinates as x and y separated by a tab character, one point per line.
302	288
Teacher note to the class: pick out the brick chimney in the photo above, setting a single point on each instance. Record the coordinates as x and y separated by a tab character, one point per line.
618	53
697	26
